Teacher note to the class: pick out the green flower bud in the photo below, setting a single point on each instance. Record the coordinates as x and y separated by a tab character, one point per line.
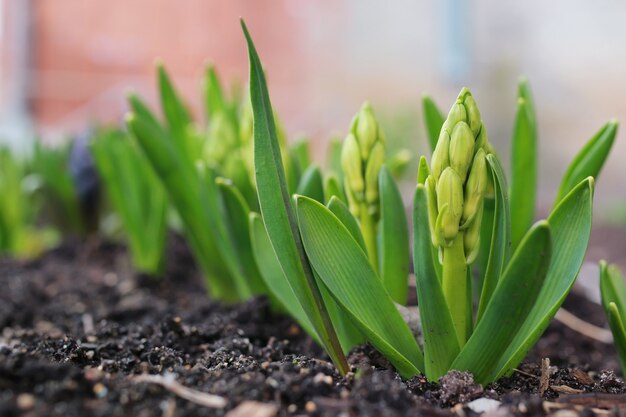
441	159
353	167
457	114
374	164
366	129
431	200
461	149
481	140
475	188
473	114
471	237
449	203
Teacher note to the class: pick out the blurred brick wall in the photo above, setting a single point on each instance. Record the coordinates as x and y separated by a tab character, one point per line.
87	54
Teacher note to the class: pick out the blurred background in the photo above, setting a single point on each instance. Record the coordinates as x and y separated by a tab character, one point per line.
66	64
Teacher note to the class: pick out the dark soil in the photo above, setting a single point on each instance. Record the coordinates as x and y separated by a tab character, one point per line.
79	330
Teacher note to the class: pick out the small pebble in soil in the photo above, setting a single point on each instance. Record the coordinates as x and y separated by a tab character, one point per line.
25	402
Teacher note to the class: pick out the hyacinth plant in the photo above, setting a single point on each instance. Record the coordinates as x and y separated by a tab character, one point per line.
136	195
613	292
330	272
210	207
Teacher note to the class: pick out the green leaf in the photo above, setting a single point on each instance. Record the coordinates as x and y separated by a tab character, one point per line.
394	239
273	275
185	190
500	235
136	195
177	116
612	287
345	270
523	172
440	341
210	200
510	304
332	188
214	100
570	223
301	155
311	184
342	212
589	161
524	92
423	171
236	214
613	291
279	215
619	334
433	119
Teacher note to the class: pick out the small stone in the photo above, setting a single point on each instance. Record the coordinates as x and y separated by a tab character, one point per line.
482	405
100	390
293	330
321	378
265	365
292	408
25	401
310	407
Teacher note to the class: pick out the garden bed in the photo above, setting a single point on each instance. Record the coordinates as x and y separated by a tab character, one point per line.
81	332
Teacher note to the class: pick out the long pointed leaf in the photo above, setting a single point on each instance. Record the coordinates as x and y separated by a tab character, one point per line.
236	211
433	119
500	235
177	116
613	290
612	287
589	161
616	323
570	223
523	172
278	213
311	184
345	270
510	304
393	239
440	342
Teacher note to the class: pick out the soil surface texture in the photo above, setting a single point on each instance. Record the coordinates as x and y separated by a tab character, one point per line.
81	335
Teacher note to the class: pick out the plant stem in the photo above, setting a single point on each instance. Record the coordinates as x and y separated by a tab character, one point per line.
455	287
368	229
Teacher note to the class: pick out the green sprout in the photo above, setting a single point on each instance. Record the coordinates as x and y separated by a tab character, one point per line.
57	188
136	195
326	264
213	211
613	292
19	233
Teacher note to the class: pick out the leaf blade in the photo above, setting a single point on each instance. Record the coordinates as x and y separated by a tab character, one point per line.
337	259
500	236
394	239
440	342
589	161
278	213
570	223
433	119
523	191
